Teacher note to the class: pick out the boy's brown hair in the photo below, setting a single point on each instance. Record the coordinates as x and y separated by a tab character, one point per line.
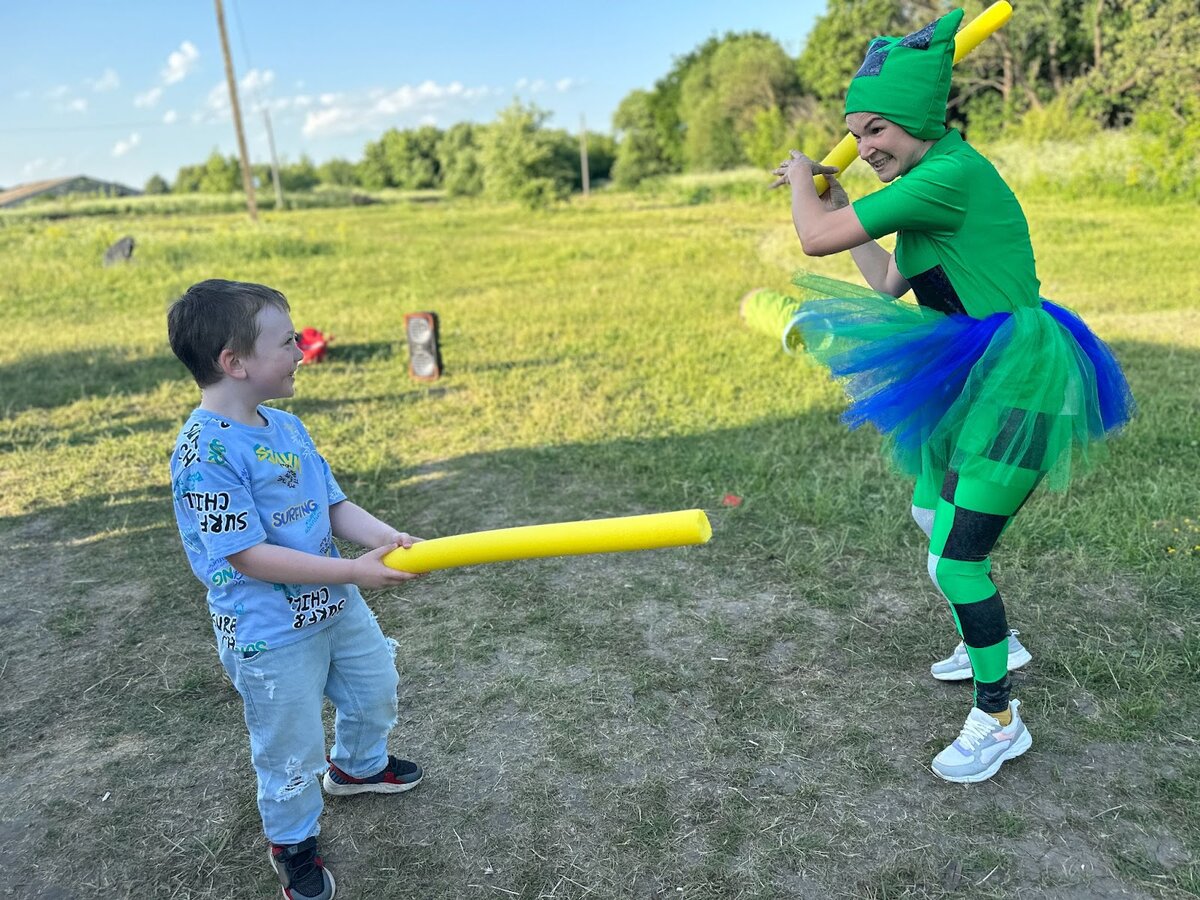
217	314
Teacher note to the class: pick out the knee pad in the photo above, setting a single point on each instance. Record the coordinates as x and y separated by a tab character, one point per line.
924	519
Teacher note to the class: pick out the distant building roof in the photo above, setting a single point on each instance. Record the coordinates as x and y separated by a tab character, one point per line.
56	187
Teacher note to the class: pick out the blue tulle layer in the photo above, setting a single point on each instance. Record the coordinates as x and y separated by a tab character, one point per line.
1031	389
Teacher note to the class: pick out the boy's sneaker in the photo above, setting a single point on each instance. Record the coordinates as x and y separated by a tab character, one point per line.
400	775
301	871
982	747
957	666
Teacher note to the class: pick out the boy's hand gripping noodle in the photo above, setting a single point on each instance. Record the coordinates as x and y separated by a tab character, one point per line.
672	529
970	37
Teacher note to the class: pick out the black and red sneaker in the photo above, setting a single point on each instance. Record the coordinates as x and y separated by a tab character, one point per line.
301	871
398	776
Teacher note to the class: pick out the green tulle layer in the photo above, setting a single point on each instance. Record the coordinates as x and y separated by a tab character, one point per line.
995	398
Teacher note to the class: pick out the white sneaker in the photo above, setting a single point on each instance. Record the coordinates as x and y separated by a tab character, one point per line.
982	747
957	666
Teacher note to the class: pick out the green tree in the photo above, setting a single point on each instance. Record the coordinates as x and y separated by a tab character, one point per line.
834	48
721	97
298	176
458	159
340	172
220	174
373	168
640	149
602	155
1026	65
520	161
1145	58
601	150
410	157
664	102
156	184
765	143
187	180
261	173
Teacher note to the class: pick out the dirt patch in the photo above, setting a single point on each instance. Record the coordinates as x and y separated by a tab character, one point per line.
650	730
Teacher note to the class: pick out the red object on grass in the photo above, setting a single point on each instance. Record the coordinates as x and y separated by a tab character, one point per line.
731	500
313	345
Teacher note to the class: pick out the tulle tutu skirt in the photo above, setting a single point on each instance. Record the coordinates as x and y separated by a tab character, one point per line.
1033	389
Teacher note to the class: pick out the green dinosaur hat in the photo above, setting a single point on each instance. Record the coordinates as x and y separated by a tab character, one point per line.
907	80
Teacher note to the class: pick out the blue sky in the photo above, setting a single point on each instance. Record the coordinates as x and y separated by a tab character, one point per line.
121	91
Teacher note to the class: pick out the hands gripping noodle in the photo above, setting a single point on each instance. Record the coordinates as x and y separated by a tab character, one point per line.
971	36
671	529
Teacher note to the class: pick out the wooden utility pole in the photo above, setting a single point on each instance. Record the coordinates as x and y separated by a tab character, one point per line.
583	160
274	160
247	175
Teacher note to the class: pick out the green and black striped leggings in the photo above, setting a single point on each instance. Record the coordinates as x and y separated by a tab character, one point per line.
964	517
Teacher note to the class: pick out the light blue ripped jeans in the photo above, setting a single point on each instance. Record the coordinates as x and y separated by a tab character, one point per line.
352	664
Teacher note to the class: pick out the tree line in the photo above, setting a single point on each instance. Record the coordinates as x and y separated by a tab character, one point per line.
1060	69
515	157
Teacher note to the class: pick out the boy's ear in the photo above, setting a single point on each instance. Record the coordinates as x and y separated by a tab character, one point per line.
231	364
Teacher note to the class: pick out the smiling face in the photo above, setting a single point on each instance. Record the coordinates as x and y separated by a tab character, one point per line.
885	146
271	369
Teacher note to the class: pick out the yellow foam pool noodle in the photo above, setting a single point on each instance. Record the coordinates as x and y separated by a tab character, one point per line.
670	529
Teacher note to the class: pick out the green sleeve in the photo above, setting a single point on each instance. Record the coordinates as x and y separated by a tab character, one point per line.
932	197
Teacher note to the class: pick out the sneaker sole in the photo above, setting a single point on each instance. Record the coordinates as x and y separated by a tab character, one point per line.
1015	661
1023	744
343	790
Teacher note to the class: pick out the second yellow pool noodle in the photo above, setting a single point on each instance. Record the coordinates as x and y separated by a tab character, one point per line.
968	38
650	532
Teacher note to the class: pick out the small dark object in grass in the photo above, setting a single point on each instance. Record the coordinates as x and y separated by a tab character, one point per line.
119	252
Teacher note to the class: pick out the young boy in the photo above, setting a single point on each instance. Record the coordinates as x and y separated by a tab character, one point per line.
258	509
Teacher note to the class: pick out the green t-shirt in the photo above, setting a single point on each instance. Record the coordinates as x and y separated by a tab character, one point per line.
962	241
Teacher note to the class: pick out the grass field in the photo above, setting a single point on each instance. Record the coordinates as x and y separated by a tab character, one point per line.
751	718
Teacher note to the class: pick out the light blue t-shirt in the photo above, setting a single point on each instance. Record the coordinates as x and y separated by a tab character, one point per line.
235	486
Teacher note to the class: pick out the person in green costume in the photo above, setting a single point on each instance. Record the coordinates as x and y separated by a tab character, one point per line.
982	389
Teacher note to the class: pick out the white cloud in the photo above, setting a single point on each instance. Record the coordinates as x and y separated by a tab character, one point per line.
33	166
333	112
180	63
170	117
149	98
217	101
348	113
64	102
332	120
120	148
109	81
256	80
565	84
